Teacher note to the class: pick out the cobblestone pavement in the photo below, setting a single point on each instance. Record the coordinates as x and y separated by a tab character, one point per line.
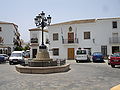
82	76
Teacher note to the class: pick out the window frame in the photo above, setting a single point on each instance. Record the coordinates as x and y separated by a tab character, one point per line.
0	28
88	36
114	24
54	51
55	37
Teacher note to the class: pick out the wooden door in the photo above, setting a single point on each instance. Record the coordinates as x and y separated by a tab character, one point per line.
70	53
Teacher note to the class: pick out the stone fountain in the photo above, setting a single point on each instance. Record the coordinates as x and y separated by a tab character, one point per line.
42	64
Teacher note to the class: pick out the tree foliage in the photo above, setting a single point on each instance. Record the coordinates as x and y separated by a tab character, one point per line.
18	49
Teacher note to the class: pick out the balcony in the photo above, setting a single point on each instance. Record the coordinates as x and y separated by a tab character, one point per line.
70	41
34	40
114	40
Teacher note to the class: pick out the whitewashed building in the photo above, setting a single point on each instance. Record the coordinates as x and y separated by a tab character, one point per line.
9	37
97	35
36	40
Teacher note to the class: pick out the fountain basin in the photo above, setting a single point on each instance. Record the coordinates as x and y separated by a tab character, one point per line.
42	70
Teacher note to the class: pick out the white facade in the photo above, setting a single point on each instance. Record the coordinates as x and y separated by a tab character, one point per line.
36	40
101	37
9	35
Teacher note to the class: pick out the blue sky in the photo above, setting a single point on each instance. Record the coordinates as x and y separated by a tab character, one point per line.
22	12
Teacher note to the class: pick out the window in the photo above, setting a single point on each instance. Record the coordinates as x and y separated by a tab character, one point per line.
56	51
0	51
81	52
0	28
55	36
114	24
115	49
86	35
34	40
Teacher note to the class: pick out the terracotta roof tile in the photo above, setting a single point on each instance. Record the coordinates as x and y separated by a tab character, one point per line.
1	22
75	22
37	29
83	21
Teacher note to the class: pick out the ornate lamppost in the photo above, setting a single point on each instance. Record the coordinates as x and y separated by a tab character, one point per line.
42	57
41	22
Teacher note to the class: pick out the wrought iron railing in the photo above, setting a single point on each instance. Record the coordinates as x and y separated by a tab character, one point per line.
114	40
34	40
70	41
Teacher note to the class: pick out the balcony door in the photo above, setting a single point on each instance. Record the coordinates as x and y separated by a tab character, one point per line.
71	37
115	37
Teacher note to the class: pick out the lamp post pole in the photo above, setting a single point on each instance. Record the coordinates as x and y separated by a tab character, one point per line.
42	32
41	21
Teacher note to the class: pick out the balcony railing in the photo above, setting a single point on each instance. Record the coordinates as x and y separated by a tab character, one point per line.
70	41
34	40
114	40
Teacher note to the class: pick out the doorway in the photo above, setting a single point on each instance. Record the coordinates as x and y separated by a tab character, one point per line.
115	49
34	53
71	53
104	50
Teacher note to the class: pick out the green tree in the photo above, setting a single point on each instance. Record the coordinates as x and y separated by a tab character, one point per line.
18	49
27	47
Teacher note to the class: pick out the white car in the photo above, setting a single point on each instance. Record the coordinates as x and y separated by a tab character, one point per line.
82	55
16	57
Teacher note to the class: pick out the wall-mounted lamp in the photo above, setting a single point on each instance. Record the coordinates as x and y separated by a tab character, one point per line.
93	40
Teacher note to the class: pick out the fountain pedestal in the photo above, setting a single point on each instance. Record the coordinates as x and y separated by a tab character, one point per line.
42	60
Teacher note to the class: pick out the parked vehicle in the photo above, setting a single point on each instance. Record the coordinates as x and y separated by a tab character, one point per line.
97	57
16	57
6	56
2	59
115	59
82	55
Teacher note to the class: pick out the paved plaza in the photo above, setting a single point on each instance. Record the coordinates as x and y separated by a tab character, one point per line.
82	76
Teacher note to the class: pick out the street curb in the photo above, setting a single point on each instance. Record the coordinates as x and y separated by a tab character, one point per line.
116	87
